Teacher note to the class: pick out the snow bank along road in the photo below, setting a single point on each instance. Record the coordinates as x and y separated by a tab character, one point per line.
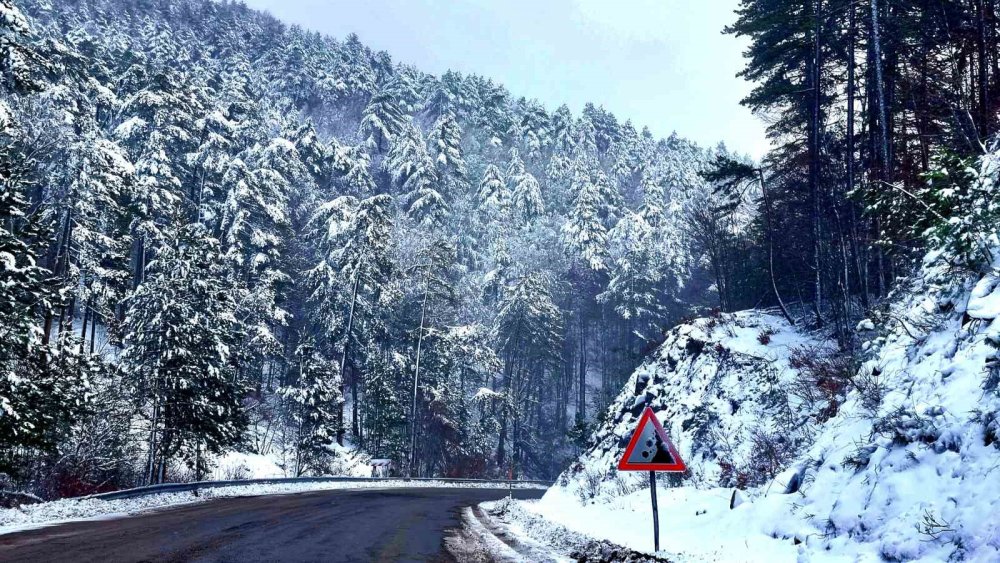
399	524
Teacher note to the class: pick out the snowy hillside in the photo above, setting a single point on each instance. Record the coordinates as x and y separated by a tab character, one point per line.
902	465
716	385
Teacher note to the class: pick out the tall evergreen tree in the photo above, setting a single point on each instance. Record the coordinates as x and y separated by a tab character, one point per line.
180	331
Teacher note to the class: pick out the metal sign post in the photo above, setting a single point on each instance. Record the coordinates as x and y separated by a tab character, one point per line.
656	511
650	450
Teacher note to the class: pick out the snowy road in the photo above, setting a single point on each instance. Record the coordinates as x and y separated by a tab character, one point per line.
335	525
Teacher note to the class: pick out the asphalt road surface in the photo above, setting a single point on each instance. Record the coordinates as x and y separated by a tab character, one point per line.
336	525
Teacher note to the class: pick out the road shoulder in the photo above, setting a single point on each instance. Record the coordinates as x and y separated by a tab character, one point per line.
531	537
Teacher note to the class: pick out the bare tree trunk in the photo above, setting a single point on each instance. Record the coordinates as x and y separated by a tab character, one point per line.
581	406
88	307
883	114
93	327
814	161
343	368
770	248
139	273
197	464
416	383
152	444
861	259
851	92
851	64
983	78
508	374
61	257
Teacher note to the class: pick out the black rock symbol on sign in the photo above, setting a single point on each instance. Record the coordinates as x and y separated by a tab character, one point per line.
652	450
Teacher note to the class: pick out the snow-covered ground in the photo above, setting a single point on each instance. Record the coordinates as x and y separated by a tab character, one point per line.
901	464
67	510
348	461
528	536
695	525
240	465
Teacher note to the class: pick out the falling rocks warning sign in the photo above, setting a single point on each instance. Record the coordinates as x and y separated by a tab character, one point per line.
650	449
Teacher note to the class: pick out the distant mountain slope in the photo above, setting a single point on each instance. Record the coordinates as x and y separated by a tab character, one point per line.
252	237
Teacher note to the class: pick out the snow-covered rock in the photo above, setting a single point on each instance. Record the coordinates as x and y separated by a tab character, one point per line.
715	384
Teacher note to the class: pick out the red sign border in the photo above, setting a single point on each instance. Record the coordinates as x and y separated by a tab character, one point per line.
623	464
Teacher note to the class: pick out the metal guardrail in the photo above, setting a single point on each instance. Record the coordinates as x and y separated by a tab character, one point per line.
196	485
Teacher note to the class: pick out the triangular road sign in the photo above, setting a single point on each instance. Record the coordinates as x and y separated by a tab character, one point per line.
650	449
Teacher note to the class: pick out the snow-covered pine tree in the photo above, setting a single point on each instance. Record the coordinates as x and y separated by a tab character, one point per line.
314	155
527	198
528	328
412	168
403	85
315	401
493	195
180	334
584	231
382	120
454	359
442	100
436	289
102	195
255	226
444	142
559	169
635	287
585	142
356	244
20	63
534	130
209	162
353	164
515	169
43	389
500	273
384	416
653	208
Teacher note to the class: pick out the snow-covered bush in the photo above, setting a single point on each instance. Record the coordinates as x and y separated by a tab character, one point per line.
962	208
824	377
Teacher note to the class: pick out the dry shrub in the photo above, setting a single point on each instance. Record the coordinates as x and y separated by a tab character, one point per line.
590	485
861	457
905	427
990	420
626	484
765	334
236	472
773	451
871	388
823	380
732	476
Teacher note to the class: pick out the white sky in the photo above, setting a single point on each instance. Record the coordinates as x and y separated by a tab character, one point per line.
660	63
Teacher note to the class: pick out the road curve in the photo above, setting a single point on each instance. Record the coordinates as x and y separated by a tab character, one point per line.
334	525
